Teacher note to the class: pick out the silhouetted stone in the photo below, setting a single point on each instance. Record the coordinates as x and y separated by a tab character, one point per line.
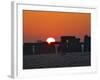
70	44
66	45
28	48
87	43
44	48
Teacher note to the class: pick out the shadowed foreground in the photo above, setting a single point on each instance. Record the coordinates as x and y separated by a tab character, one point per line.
56	60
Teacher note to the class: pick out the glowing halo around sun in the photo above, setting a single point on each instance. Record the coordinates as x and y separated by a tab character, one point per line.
50	39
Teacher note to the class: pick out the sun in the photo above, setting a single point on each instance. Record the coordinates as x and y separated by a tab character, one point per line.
50	39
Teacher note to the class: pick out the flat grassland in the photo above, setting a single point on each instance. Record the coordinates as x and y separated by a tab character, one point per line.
74	59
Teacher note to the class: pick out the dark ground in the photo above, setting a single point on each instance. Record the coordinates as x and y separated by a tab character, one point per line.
56	60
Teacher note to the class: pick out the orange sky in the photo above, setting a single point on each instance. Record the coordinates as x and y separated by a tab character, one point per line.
39	25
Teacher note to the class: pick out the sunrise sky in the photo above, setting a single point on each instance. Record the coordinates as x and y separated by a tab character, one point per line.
39	25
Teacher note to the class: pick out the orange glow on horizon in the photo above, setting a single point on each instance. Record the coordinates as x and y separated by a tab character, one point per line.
39	25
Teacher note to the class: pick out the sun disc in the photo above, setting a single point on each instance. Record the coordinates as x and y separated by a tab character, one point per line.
50	39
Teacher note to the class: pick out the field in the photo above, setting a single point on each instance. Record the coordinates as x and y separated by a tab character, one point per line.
56	60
